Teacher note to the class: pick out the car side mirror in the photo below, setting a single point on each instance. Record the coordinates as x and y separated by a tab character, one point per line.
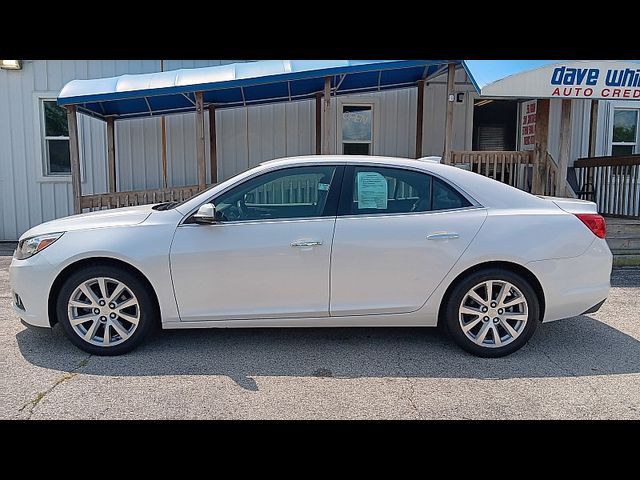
206	214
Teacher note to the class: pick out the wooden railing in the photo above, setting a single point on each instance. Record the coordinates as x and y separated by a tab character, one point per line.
104	201
611	182
512	168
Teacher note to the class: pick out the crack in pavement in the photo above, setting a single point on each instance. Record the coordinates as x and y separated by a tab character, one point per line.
410	396
33	403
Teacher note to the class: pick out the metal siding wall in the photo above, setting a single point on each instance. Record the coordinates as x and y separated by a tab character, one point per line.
580	113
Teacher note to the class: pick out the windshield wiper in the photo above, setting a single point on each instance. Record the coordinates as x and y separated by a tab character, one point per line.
165	205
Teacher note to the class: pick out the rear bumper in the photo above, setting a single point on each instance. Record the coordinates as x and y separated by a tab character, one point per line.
573	286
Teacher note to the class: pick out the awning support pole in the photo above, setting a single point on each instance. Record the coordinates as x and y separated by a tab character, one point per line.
541	146
74	153
448	133
202	171
111	153
163	133
565	147
419	118
326	150
318	123
213	145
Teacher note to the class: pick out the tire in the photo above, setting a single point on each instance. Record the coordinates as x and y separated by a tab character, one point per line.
135	310
507	329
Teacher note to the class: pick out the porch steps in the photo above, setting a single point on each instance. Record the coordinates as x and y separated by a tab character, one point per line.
623	237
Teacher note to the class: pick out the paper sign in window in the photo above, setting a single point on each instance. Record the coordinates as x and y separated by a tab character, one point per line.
372	190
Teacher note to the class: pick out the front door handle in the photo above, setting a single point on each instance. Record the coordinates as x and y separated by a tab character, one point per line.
442	236
306	243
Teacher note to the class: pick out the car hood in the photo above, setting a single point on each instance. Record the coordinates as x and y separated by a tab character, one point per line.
116	217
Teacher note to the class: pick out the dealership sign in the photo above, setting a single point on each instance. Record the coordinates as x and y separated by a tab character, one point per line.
609	80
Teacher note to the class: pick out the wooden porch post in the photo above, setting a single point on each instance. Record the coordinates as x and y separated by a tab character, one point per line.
593	126
541	145
213	145
448	133
565	147
111	154
318	123
326	148
419	118
202	171
74	154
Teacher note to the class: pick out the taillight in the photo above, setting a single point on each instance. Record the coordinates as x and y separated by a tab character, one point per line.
594	222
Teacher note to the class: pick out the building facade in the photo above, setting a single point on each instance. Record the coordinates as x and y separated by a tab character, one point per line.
35	180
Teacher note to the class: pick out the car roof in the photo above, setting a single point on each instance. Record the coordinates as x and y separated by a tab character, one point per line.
348	159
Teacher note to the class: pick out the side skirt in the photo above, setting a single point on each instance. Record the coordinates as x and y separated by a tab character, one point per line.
398	320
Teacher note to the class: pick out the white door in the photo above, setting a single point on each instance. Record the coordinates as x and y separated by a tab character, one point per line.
397	235
268	255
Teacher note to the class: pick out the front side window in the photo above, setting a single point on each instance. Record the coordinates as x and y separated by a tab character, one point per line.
357	129
56	139
625	132
296	192
389	190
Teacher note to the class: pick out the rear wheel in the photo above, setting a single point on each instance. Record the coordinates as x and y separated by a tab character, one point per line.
105	310
492	313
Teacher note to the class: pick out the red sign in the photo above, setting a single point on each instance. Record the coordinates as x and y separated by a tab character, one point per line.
528	125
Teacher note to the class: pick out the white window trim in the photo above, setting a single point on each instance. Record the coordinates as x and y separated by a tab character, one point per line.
39	97
611	143
374	102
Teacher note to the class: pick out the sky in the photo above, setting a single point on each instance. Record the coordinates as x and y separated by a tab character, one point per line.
487	71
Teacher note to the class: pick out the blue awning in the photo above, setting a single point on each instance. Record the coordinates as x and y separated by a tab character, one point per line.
240	84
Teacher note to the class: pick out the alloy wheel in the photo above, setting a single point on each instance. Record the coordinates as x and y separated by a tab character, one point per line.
103	311
493	313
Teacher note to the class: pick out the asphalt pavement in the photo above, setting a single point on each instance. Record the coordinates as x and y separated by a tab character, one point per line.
585	367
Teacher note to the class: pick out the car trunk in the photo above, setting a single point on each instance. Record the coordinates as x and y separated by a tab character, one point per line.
573	205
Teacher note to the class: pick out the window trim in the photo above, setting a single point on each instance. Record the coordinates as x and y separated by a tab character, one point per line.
40	138
636	144
331	205
347	182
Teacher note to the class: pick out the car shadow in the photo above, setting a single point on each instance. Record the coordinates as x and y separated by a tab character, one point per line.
581	346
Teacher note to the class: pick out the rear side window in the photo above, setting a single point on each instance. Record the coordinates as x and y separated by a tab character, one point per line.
372	190
445	197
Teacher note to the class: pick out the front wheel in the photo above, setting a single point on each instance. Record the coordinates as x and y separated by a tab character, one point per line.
492	313
105	310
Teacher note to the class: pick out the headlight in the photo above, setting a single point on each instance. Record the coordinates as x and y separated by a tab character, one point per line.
32	245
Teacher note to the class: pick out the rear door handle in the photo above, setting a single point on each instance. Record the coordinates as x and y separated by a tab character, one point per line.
443	236
306	243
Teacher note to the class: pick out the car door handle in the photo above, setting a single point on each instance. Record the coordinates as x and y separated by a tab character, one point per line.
306	243
443	236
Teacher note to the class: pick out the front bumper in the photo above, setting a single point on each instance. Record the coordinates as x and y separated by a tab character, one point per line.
31	279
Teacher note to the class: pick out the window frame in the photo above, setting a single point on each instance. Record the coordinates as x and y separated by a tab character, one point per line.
358	101
40	147
346	194
636	143
330	207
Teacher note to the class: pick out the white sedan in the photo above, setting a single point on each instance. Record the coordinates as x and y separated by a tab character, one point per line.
335	241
